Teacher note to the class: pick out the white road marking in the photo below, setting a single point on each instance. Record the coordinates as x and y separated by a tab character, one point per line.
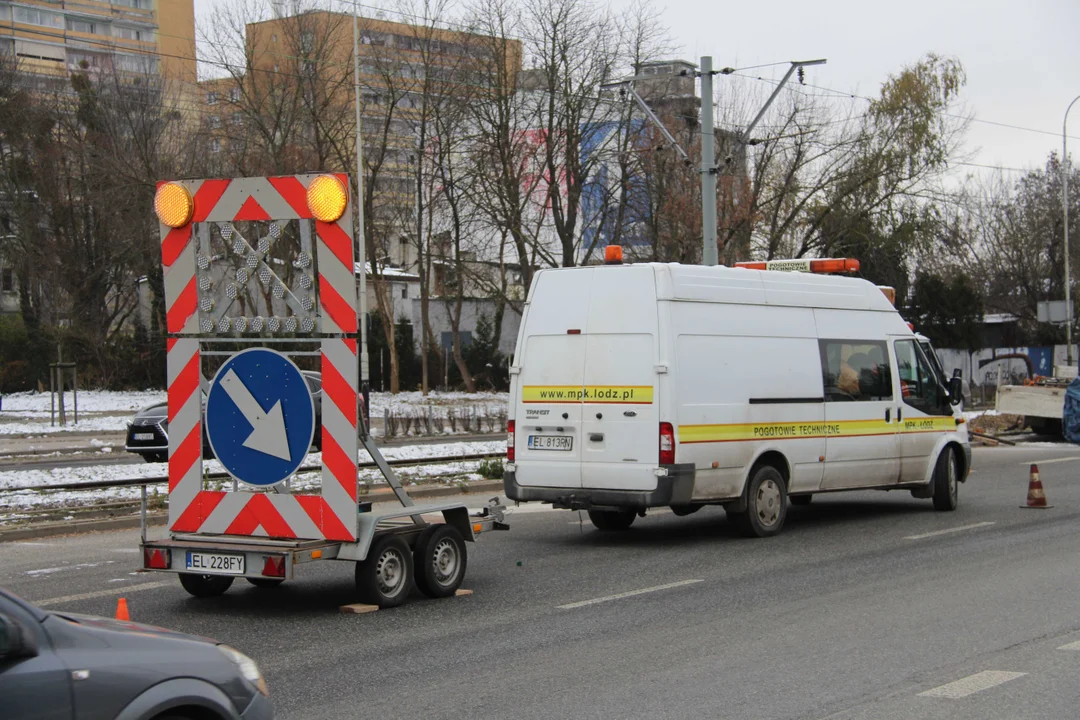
950	530
631	593
34	544
1071	646
79	566
1054	460
116	591
972	684
124	550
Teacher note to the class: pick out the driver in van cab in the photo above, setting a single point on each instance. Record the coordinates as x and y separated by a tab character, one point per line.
848	379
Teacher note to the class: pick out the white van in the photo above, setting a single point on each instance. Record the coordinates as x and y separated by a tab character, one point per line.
646	385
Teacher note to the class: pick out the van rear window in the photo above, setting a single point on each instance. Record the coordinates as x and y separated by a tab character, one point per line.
855	371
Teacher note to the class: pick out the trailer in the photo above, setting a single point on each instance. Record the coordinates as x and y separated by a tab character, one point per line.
260	275
1041	400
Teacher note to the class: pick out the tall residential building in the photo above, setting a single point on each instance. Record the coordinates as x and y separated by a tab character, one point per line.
54	37
49	39
304	61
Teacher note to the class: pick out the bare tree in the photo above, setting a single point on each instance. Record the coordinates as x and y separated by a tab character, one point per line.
575	46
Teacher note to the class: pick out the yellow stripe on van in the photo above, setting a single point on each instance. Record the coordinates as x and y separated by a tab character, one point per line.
741	432
613	394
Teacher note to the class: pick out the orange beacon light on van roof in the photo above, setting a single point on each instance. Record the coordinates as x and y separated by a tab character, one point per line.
613	255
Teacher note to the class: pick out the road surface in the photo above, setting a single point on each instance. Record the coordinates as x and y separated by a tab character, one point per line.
868	606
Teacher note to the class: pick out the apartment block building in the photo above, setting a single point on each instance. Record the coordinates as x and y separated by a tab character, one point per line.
53	37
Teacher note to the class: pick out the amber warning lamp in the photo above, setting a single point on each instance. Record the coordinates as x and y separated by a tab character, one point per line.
613	255
327	198
173	205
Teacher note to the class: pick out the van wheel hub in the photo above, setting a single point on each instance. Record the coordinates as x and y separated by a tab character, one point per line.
768	503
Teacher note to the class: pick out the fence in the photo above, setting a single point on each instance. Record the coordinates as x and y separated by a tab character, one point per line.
987	368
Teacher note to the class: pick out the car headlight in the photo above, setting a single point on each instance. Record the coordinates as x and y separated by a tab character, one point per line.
247	668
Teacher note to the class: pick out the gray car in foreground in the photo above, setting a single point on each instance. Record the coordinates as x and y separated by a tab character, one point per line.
61	665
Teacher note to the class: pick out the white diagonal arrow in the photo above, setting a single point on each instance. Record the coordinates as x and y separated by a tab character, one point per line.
268	428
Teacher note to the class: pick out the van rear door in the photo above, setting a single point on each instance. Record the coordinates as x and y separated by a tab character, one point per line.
620	426
547	406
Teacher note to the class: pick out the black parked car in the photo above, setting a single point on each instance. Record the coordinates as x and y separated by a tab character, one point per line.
63	665
148	431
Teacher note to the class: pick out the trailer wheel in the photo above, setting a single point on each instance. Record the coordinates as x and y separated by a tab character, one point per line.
385	577
440	561
203	586
766	504
946	487
800	500
612	520
264	582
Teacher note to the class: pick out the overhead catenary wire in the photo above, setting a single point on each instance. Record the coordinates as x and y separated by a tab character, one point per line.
856	96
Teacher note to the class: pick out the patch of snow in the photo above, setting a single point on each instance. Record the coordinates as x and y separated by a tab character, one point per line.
90	401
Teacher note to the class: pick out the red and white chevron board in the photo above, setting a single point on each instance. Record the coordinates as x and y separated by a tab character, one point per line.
273	198
333	513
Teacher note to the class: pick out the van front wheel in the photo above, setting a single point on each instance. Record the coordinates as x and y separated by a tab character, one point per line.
611	520
766	504
945	481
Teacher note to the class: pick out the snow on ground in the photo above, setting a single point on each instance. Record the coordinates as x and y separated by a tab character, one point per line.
27	413
438	401
90	401
11	503
972	414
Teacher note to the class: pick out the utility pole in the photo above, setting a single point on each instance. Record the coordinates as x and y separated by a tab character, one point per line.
709	253
1065	211
709	250
365	376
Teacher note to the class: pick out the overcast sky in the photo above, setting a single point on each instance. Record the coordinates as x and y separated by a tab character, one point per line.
1022	57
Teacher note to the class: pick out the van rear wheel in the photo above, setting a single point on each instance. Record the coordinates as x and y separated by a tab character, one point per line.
612	520
766	504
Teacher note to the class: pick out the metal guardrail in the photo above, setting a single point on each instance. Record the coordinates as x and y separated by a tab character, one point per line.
159	480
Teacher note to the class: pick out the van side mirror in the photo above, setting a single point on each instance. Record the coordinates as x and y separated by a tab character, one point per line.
15	640
956	390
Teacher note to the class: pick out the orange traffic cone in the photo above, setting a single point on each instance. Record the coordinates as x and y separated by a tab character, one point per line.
122	609
1036	498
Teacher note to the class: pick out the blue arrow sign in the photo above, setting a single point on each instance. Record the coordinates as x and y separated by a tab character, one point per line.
260	418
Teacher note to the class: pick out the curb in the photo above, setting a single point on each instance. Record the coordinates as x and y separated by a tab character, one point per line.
127	522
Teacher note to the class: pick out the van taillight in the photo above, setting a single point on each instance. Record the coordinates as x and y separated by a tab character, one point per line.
667	444
510	441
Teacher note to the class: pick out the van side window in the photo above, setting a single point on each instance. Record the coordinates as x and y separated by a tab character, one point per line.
919	386
855	370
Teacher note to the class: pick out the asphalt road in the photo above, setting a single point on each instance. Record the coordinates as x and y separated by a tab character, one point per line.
869	605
